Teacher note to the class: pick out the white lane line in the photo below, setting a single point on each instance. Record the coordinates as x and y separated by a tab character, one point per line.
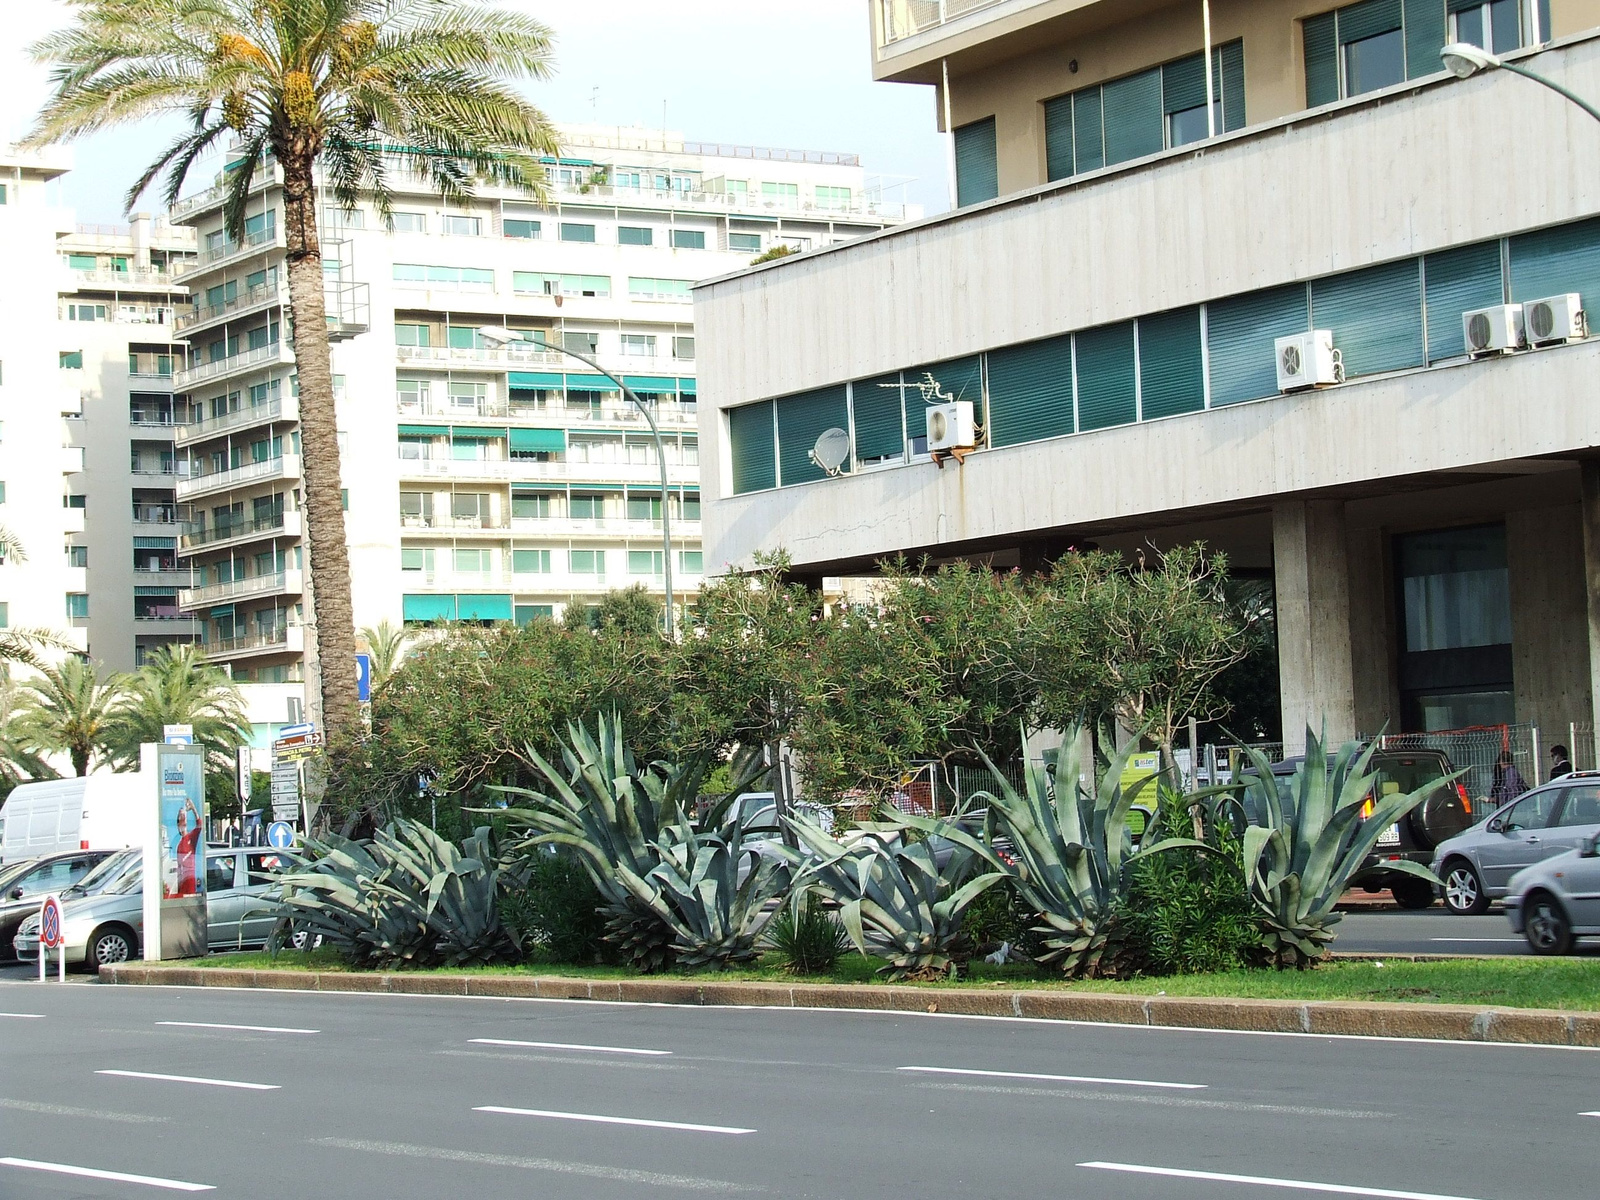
245	1028
572	1116
1589	1114
568	1046
227	1083
172	1185
24	1016
1145	1083
95	1114
1300	1185
1518	941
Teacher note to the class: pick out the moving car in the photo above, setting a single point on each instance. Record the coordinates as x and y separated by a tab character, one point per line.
24	885
1557	899
106	925
1478	865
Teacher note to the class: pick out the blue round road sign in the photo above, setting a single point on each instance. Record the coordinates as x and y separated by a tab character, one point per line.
50	923
280	835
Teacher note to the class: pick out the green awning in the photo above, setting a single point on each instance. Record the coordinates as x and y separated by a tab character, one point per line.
155	543
472	433
651	383
158	590
590	383
424	431
686	386
483	608
535	379
428	608
554	440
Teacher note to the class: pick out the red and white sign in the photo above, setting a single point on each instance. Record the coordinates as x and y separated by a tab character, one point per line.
50	922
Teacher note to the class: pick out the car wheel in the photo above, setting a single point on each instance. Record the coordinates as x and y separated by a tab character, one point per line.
1546	925
109	945
1413	893
1463	890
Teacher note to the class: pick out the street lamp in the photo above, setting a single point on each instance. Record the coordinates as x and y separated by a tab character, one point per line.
505	337
1462	59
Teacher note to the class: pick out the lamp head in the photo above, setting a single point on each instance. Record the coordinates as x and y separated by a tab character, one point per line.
1462	59
499	335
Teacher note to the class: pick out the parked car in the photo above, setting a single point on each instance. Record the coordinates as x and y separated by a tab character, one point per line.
1557	900
1550	820
24	885
106	925
1445	812
103	811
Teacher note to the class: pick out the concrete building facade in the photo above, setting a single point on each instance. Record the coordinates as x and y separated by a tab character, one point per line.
1431	521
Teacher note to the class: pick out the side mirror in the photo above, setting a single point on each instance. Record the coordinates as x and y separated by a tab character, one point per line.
1497	823
16	893
1591	847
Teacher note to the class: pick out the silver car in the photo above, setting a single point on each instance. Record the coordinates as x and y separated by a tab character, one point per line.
1557	899
106	926
1477	866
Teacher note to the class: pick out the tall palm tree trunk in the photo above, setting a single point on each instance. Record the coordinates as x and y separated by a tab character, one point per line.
319	450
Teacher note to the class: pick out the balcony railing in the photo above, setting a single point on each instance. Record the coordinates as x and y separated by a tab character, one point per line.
486	357
240	418
100	277
521	470
675	416
156	514
275	583
283	467
285	639
273	352
177	576
141	420
209	257
279	524
260	296
907	18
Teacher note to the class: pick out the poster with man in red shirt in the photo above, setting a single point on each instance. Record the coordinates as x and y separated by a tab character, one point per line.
182	831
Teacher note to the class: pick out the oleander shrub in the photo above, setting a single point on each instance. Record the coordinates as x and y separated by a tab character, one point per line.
553	910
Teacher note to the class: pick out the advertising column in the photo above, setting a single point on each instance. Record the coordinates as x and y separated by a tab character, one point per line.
175	852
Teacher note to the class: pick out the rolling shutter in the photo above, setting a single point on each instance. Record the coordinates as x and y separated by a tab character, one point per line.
1088	131
750	445
483	607
428	608
1368	19
1105	377
977	166
961	378
1030	392
1375	315
802	420
1183	84
1425	37
1458	280
1322	60
879	422
1240	335
1134	126
1554	261
1171	379
1230	77
1058	137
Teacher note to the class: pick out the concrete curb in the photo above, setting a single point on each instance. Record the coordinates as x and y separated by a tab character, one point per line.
1443	1022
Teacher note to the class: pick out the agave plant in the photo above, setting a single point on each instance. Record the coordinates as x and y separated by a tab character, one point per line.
806	938
406	898
614	814
1069	849
1303	846
895	899
696	890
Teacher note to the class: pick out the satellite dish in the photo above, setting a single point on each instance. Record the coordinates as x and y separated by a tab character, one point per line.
831	450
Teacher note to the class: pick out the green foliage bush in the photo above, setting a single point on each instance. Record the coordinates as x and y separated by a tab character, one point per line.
554	910
806	938
1001	915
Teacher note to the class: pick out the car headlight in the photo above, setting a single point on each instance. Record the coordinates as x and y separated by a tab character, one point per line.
29	927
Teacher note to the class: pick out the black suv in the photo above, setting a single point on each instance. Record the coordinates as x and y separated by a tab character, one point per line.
1446	812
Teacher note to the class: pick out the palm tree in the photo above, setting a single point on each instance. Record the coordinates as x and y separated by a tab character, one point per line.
386	643
67	710
19	760
335	83
176	686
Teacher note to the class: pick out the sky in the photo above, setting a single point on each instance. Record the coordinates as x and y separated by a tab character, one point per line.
793	74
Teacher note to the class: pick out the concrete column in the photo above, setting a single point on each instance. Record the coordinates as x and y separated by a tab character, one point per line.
1547	554
1591	572
1311	567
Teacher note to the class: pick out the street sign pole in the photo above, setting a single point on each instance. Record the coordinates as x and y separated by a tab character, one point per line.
51	938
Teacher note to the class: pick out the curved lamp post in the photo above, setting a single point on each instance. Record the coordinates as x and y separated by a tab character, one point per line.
1463	59
504	337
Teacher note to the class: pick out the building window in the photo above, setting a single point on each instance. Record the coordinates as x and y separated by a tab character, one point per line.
582	343
475	279
784	194
408	334
77	500
459	226
691	562
82	262
644	508
530	562
5	608
77	606
417	506
71	359
575	232
417	559
646	288
683	347
410	222
639	345
689	239
745	243
471	506
635	235
473	562
530	505
587	562
77	556
832	197
645	562
538	283
977	164
1378	43
517	227
527	614
1496	26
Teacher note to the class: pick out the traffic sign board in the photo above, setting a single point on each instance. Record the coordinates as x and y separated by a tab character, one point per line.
301	730
50	922
280	835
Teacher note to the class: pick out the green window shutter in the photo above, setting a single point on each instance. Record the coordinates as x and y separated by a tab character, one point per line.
634	235
1465	278
1134	126
802	420
1240	336
1171	378
1375	315
1425	37
977	164
428	608
879	419
958	379
1030	392
1058	137
1183	84
1105	377
483	608
461	337
1322	60
1553	261
750	445
1088	131
1230	83
551	440
1368	19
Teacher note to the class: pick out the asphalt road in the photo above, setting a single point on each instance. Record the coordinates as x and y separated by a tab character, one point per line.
1375	930
286	1094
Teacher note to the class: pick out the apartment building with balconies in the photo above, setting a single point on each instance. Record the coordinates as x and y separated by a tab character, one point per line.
1134	237
490	475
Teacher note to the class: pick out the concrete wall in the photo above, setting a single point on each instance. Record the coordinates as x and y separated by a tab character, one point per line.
1549	620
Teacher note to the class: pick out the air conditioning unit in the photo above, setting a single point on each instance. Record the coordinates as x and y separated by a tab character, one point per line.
1496	330
1308	360
1555	319
950	426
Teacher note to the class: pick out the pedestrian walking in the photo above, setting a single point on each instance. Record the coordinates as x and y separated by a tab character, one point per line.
1508	781
1560	764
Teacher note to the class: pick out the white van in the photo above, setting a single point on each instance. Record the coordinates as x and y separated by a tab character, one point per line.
95	812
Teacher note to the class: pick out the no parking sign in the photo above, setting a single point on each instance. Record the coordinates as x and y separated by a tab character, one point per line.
50	937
